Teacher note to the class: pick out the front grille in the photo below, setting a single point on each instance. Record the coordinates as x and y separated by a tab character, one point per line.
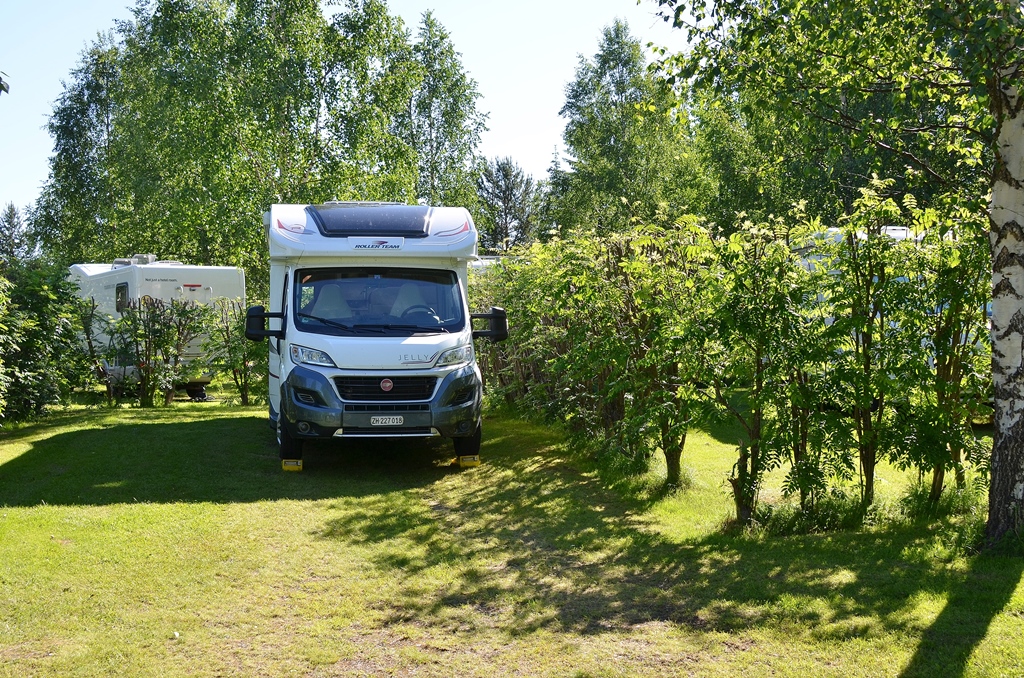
404	407
368	388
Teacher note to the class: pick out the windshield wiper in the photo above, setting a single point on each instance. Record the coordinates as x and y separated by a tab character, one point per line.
395	326
325	321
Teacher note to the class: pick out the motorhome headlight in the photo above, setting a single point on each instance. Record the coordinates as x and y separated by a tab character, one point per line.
456	356
310	356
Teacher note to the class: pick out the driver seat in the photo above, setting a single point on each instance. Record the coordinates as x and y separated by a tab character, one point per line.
408	296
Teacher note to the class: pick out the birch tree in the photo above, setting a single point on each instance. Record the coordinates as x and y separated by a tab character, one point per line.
957	63
623	149
444	124
176	130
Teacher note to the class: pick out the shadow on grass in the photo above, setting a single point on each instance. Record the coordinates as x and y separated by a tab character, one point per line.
218	459
725	429
536	544
947	644
528	542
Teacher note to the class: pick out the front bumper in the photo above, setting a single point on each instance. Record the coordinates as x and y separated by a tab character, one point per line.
312	408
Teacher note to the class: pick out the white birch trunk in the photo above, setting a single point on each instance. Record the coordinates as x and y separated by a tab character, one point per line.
1006	211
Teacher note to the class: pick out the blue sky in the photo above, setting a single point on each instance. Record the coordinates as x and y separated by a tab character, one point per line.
522	54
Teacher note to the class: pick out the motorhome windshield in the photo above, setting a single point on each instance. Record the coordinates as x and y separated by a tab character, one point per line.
389	301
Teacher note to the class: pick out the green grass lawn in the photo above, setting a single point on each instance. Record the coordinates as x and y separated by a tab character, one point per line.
170	543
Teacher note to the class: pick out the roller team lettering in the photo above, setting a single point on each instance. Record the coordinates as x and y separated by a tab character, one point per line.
379	245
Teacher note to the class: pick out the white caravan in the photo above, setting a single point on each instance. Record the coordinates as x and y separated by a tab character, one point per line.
369	326
114	286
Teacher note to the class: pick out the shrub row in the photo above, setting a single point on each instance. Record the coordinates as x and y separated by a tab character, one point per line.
831	347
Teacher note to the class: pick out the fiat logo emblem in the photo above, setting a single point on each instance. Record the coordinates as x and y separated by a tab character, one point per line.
386	385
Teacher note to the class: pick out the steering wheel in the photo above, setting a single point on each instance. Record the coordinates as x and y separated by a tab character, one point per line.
421	308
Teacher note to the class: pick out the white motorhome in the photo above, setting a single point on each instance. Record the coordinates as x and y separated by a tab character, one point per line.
113	286
369	326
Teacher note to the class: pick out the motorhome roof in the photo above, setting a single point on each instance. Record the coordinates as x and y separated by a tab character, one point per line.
339	220
382	230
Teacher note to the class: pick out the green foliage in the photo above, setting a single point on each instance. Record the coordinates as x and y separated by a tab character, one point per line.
94	327
228	351
928	93
175	132
623	146
368	154
598	338
954	267
959	517
834	511
831	348
13	235
40	358
6	340
155	338
907	319
856	88
73	213
740	163
509	206
758	360
444	125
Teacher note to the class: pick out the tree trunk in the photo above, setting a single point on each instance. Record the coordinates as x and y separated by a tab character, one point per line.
739	482
800	418
868	458
867	453
672	446
938	481
1006	238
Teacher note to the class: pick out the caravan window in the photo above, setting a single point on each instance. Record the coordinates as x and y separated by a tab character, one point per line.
121	297
370	300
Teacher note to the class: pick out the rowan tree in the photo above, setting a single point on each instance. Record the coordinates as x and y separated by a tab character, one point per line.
936	86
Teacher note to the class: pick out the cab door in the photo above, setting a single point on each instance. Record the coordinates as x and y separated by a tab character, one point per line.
278	361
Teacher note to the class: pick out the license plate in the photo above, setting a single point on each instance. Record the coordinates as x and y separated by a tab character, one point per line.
387	421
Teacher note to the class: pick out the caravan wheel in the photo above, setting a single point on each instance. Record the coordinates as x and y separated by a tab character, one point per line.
196	393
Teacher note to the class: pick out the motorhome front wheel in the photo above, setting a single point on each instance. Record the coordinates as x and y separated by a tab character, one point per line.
288	447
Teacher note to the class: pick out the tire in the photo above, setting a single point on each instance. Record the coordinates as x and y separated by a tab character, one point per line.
470	446
288	447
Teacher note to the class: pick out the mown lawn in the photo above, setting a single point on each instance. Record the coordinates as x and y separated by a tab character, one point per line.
169	543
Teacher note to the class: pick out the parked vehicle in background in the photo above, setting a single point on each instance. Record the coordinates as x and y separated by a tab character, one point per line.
114	286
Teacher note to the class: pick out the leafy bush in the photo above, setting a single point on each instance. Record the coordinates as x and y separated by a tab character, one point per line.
832	349
229	352
834	511
6	342
40	357
153	336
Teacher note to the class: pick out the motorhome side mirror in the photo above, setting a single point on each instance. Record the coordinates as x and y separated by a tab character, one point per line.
256	324
497	325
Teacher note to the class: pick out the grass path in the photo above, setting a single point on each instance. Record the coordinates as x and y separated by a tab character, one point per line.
169	543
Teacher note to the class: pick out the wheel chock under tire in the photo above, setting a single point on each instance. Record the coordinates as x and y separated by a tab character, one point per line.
293	464
467	460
